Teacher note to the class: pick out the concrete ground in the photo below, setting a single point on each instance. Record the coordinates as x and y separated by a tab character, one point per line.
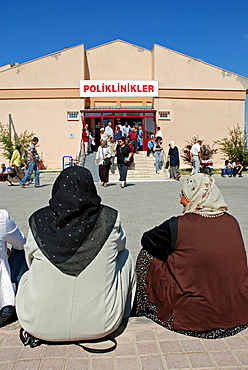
144	344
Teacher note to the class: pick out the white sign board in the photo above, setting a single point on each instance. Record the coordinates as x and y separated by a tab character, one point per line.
114	88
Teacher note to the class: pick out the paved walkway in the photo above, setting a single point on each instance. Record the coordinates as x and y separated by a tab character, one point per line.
143	344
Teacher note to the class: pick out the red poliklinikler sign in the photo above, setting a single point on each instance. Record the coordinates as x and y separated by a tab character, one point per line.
126	88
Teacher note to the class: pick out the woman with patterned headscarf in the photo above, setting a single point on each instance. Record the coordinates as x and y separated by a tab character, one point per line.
81	280
192	271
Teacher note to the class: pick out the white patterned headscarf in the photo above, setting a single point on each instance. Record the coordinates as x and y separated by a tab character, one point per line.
204	196
172	144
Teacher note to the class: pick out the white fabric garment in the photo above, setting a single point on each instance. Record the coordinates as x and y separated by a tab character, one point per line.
103	152
196	148
10	233
159	134
109	130
203	195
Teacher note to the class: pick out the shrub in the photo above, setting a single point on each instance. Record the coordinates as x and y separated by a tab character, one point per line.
235	146
7	143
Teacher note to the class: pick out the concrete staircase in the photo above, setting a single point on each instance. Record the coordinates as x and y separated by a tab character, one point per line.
144	167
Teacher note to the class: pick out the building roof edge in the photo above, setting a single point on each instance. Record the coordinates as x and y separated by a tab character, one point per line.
200	61
12	66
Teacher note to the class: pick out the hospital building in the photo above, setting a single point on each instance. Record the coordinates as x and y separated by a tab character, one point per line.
56	95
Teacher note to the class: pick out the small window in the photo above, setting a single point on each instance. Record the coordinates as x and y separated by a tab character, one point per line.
164	114
72	116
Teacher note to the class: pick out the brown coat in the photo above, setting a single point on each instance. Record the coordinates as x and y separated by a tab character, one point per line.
204	282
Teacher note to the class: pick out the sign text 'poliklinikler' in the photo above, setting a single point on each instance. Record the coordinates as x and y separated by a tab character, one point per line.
131	88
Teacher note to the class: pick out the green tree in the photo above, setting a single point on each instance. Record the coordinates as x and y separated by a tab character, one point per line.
206	150
7	143
235	145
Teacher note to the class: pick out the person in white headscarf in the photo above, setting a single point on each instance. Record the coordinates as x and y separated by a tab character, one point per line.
192	271
202	196
173	161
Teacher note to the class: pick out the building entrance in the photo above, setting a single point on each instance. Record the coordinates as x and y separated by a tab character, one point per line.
96	119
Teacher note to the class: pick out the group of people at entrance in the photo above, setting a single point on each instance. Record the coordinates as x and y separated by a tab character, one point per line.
81	281
121	143
115	143
134	133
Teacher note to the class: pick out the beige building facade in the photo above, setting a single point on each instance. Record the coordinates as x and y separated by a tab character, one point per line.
54	96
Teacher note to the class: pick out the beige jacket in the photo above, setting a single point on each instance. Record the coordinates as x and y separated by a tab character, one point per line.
57	307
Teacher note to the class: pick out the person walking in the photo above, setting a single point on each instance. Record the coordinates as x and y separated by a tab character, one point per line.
33	158
124	154
158	149
195	156
133	137
103	157
173	159
112	146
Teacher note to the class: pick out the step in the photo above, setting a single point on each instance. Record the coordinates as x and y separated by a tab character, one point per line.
144	168
131	175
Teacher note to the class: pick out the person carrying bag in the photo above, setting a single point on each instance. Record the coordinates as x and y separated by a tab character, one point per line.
103	157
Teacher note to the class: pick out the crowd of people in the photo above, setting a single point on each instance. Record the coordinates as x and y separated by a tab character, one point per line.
122	137
121	143
80	282
134	133
124	144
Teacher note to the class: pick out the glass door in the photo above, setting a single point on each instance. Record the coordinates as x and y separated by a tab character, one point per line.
149	128
146	119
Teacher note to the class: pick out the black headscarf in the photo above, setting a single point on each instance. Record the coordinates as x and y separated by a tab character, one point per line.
71	231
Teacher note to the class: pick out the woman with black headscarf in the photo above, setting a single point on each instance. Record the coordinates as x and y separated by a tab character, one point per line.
81	281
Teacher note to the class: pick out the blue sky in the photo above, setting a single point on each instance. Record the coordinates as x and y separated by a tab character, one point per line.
213	31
